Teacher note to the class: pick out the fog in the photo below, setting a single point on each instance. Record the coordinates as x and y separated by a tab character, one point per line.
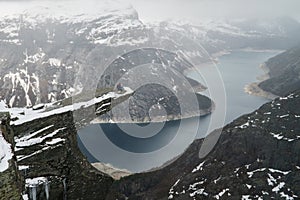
196	10
186	10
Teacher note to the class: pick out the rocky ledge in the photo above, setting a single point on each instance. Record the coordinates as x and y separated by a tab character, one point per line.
46	160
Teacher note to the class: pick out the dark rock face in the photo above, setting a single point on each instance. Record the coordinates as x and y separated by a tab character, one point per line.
59	161
257	156
139	57
284	73
47	160
157	77
156	97
140	103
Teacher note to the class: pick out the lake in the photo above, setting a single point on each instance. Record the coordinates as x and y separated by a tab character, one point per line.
140	147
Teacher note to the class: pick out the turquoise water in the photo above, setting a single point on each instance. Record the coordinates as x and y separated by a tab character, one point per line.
117	145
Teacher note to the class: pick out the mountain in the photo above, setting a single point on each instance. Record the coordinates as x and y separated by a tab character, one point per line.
283	72
60	64
43	48
158	80
256	157
213	35
51	51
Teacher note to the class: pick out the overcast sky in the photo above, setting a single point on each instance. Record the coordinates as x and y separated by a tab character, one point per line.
196	10
192	10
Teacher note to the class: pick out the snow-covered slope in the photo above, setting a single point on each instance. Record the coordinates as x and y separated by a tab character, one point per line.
24	115
51	50
5	153
44	45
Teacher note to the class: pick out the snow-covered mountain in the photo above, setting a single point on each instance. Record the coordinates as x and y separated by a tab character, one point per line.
43	47
52	50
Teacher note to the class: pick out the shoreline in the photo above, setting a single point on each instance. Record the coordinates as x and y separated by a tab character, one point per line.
255	90
261	50
214	60
211	62
111	170
251	89
158	119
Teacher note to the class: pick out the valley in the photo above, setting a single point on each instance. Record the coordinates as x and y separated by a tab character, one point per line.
97	103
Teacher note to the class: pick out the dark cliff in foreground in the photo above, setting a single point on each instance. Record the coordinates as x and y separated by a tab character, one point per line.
256	157
46	154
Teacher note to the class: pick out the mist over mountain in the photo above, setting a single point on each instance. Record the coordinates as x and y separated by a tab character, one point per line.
66	64
197	11
50	50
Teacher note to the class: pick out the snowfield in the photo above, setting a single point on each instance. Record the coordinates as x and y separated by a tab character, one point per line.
5	153
24	115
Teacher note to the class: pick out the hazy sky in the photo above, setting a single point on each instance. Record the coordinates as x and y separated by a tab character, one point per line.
196	10
192	10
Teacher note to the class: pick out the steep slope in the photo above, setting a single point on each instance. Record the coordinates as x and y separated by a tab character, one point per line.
52	50
158	80
46	160
283	72
43	47
256	157
8	189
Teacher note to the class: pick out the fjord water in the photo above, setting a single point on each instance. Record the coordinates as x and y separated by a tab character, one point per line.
129	149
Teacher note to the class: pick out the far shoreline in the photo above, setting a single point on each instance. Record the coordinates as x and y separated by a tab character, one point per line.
203	113
255	90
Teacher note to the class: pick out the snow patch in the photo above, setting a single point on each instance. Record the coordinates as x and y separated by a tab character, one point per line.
5	153
199	167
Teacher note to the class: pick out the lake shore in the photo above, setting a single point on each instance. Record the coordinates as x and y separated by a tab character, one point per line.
254	89
112	171
158	119
244	66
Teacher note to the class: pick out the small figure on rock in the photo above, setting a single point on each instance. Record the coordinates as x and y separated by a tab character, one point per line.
120	88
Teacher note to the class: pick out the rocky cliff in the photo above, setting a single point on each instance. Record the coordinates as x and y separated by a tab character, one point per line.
256	157
284	73
46	159
51	55
47	162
